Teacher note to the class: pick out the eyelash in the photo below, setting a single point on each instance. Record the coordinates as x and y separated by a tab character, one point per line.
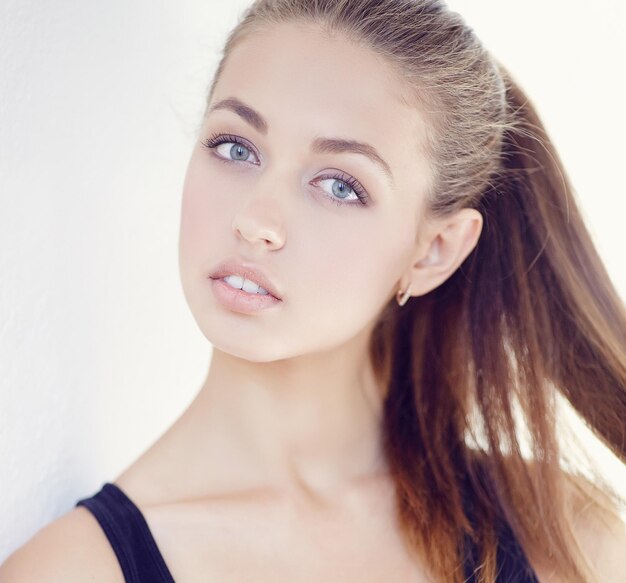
217	139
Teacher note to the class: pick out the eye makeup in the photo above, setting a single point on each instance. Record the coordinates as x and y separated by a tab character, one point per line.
217	139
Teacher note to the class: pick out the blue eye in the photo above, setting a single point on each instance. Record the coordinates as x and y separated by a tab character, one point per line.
349	184
343	185
239	151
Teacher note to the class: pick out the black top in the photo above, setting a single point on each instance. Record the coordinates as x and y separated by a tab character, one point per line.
512	565
129	535
141	561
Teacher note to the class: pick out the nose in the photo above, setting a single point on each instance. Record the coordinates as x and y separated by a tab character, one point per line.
260	219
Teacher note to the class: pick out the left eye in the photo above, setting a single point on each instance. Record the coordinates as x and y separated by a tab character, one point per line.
341	186
240	152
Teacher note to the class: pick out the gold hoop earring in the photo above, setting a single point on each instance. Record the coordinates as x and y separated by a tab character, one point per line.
402	300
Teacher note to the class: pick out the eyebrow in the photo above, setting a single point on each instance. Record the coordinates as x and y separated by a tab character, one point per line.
319	145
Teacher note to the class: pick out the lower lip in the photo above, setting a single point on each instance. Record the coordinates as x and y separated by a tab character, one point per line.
242	301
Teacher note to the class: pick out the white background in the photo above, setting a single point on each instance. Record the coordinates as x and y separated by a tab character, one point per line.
99	103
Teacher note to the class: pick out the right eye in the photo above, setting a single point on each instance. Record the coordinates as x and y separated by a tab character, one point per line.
239	151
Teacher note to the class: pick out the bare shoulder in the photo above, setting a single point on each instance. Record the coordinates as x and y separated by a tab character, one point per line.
70	549
599	528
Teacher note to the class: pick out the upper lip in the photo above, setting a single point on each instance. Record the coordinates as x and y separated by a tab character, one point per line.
248	270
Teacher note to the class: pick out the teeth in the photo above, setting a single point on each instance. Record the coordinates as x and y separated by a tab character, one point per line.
246	285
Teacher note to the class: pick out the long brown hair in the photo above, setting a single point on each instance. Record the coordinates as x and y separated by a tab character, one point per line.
530	315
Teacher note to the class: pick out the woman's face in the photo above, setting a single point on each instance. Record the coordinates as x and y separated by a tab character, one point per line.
294	209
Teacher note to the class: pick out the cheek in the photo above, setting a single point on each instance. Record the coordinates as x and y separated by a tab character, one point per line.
355	261
202	220
339	280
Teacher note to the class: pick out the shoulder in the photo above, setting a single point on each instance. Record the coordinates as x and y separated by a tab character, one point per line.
598	527
70	549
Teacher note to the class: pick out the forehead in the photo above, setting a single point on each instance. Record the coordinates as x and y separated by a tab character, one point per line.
307	84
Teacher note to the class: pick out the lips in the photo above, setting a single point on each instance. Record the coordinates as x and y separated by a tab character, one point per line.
248	270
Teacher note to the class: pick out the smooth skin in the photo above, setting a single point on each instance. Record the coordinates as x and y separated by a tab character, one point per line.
275	470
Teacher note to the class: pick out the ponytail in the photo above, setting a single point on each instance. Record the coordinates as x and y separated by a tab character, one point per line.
531	312
576	317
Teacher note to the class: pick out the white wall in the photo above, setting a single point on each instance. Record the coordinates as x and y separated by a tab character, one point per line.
98	107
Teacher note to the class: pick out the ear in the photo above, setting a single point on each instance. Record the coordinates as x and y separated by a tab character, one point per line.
443	246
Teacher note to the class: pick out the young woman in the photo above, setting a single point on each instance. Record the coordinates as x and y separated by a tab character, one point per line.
425	280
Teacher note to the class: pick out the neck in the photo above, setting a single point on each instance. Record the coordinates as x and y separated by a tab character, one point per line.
309	424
